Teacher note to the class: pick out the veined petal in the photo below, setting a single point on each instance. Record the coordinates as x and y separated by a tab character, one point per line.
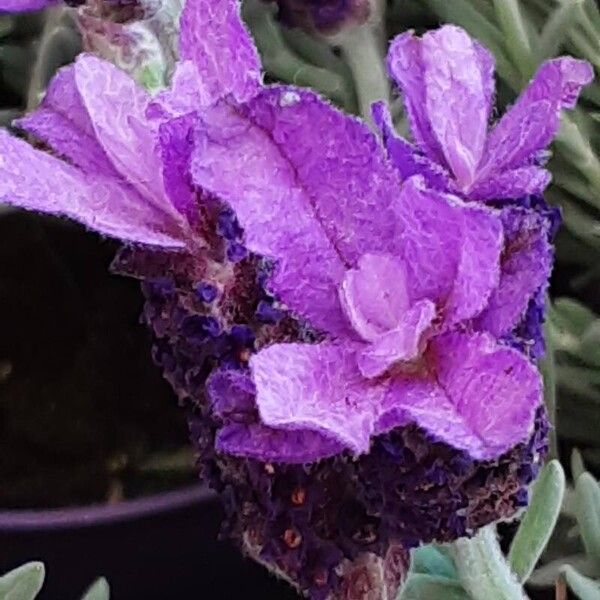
451	250
482	398
214	38
311	189
515	183
35	180
25	5
318	388
532	122
63	123
525	268
402	344
458	78
407	158
260	442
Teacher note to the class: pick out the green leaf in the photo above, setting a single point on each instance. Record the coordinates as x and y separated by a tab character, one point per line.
539	521
587	507
429	560
428	587
482	568
583	587
573	315
577	464
99	590
555	30
23	583
547	575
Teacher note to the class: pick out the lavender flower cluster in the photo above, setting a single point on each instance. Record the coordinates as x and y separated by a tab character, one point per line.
350	322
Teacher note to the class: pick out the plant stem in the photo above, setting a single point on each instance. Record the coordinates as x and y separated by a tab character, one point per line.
361	50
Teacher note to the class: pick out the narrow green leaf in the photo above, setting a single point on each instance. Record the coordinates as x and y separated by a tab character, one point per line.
23	583
546	576
518	44
555	30
587	506
99	590
482	568
583	587
427	587
428	560
539	520
574	315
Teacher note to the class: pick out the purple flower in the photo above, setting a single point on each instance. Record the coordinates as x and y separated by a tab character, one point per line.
447	81
384	362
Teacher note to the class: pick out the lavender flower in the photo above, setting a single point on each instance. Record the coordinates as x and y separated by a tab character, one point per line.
349	389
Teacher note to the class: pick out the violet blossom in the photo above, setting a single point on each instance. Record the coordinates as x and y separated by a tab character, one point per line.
333	324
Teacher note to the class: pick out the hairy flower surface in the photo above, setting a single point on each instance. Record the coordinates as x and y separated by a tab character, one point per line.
351	338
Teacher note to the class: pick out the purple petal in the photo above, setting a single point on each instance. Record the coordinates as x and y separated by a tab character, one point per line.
275	445
116	107
318	388
24	5
374	296
451	250
175	143
406	66
231	393
516	183
482	400
525	268
63	123
402	344
37	181
405	157
214	38
532	122
315	207
458	78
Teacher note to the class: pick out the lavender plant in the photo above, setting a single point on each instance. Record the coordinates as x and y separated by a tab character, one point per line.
351	325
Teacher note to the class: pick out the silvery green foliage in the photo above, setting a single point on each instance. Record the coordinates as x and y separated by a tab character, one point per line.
476	568
25	582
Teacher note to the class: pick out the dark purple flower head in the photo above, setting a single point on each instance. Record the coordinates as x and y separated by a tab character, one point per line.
350	385
324	16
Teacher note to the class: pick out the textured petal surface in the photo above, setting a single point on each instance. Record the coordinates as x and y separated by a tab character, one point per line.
407	158
310	186
482	398
37	181
451	250
374	296
214	38
458	77
117	107
515	183
63	123
532	122
316	387
525	268
402	344
275	445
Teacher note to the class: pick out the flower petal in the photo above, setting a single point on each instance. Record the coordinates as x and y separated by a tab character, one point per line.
402	344
24	5
458	78
405	157
532	122
267	444
451	250
525	268
214	38
515	183
316	387
374	296
63	123
482	399
116	107
34	180
315	207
